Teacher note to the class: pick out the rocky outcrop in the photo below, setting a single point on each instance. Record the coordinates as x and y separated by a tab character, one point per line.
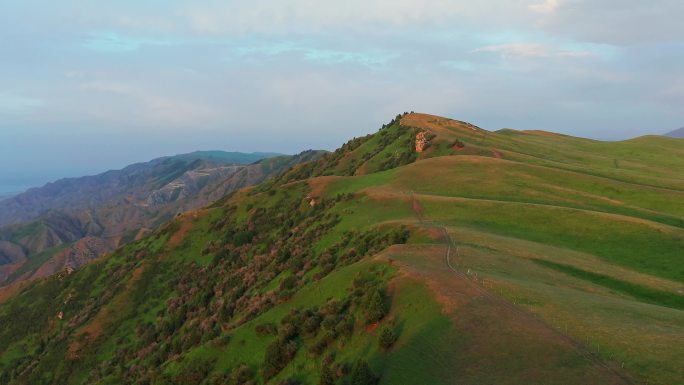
421	141
73	257
189	184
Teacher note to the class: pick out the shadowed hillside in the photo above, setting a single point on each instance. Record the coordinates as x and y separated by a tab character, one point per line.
432	251
66	224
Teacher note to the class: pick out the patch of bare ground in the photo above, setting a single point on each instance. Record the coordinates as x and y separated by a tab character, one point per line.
186	220
541	133
319	185
503	344
141	233
6	292
432	122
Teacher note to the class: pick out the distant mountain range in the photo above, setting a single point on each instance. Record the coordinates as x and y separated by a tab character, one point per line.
4	196
65	224
676	133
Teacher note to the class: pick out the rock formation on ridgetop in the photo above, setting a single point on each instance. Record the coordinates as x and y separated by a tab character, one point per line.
421	141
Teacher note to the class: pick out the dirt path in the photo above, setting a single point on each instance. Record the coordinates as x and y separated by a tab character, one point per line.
495	325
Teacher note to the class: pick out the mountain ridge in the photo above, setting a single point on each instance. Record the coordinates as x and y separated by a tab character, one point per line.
116	207
432	251
48	190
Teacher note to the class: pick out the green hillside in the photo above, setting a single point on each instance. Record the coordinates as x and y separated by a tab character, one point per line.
506	257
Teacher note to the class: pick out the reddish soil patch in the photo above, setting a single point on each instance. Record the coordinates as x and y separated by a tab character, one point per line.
362	169
320	184
496	154
135	275
8	291
141	233
541	133
437	124
179	235
372	327
434	234
94	328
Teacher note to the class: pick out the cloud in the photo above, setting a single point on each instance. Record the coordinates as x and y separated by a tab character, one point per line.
531	50
615	22
547	6
260	73
371	58
217	17
12	103
114	42
516	49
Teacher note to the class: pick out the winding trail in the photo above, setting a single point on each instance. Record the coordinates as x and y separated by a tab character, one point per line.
579	348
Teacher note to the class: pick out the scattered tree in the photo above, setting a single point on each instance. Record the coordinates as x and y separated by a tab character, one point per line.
375	308
327	377
387	337
363	375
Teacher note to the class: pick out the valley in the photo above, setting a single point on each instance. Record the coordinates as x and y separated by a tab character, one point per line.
68	223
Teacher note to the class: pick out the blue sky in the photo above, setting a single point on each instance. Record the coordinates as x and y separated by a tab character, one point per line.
88	86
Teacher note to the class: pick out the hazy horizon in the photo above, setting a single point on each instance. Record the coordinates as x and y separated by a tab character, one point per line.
87	87
15	183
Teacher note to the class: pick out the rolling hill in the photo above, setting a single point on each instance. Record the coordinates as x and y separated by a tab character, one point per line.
66	224
431	252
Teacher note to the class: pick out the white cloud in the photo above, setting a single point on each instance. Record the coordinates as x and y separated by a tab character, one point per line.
616	22
12	103
516	49
374	45
574	54
113	42
371	58
264	16
546	6
531	50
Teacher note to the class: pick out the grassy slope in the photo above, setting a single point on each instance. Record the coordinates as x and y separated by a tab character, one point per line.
571	199
584	235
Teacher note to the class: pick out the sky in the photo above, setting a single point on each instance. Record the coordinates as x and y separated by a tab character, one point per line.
87	86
